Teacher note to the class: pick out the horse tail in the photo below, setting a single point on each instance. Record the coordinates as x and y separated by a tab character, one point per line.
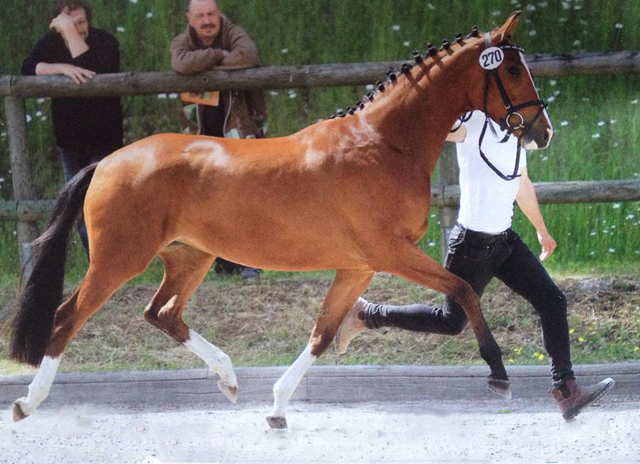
42	293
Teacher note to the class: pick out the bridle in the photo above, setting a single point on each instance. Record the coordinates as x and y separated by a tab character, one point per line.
512	111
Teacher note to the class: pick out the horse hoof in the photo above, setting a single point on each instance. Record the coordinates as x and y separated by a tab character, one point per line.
500	387
231	392
18	413
277	422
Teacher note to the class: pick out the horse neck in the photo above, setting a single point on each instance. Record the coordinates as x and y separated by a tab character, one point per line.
414	115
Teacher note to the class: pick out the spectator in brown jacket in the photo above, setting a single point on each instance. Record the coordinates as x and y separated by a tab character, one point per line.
212	40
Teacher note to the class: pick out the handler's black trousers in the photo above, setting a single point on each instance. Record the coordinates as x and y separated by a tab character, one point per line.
477	258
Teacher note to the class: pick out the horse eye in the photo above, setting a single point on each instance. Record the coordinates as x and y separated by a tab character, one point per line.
514	71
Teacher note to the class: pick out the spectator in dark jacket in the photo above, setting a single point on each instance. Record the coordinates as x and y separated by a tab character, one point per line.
89	128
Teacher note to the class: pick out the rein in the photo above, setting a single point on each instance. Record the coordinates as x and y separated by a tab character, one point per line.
512	111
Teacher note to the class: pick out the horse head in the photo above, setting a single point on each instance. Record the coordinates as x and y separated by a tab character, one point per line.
510	96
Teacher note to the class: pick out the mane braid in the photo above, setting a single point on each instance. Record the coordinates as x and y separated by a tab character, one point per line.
428	59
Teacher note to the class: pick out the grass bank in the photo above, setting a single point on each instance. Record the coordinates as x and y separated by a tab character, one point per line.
268	323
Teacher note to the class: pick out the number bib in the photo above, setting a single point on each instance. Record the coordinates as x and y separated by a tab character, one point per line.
491	58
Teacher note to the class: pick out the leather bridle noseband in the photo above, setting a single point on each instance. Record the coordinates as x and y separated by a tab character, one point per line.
512	111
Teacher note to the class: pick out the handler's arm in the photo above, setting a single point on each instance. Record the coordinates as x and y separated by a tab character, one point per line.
528	203
459	133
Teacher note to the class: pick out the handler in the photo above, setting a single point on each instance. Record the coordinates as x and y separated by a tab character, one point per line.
210	41
482	245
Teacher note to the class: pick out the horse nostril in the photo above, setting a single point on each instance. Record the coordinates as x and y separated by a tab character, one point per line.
548	135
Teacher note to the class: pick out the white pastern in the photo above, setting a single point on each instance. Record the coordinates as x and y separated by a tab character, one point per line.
216	359
287	384
40	386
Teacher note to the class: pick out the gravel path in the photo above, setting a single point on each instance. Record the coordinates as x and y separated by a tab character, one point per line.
522	431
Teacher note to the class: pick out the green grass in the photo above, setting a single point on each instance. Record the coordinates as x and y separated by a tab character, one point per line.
269	323
601	236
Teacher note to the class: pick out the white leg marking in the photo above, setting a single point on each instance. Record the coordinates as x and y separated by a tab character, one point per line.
287	384
216	359
40	386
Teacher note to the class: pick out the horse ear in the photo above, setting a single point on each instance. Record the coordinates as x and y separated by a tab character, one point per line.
510	26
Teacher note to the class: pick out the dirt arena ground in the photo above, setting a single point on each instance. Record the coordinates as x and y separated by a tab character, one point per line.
530	432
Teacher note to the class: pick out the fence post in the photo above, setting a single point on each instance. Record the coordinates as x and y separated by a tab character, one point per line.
447	175
21	174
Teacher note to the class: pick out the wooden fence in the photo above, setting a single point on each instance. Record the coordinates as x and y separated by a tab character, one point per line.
26	209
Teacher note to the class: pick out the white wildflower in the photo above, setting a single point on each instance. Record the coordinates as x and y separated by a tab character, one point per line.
395	27
406	43
619	26
533	33
553	82
285	51
430	6
29	118
120	29
616	205
173	96
576	43
38	113
611	250
564	123
162	96
596	135
149	14
601	123
40	101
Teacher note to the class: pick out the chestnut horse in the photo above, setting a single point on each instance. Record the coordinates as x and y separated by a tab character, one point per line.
350	193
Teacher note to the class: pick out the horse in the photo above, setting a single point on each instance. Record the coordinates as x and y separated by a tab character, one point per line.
350	193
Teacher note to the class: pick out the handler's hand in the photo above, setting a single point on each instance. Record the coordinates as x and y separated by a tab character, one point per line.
548	245
79	75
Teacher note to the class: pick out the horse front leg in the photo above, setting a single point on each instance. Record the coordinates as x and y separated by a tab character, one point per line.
407	261
347	286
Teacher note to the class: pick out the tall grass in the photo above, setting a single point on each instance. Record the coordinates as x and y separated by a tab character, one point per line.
597	118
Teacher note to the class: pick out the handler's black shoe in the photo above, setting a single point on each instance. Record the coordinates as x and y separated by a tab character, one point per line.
572	399
250	273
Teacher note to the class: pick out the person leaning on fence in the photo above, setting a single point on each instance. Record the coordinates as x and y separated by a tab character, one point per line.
86	129
212	40
482	246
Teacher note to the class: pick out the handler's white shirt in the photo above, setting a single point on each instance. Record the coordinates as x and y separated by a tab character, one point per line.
486	202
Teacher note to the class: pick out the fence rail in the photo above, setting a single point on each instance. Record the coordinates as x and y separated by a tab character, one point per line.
284	77
442	196
14	89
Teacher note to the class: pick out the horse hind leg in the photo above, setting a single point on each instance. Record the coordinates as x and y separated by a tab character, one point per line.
184	269
99	284
347	286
